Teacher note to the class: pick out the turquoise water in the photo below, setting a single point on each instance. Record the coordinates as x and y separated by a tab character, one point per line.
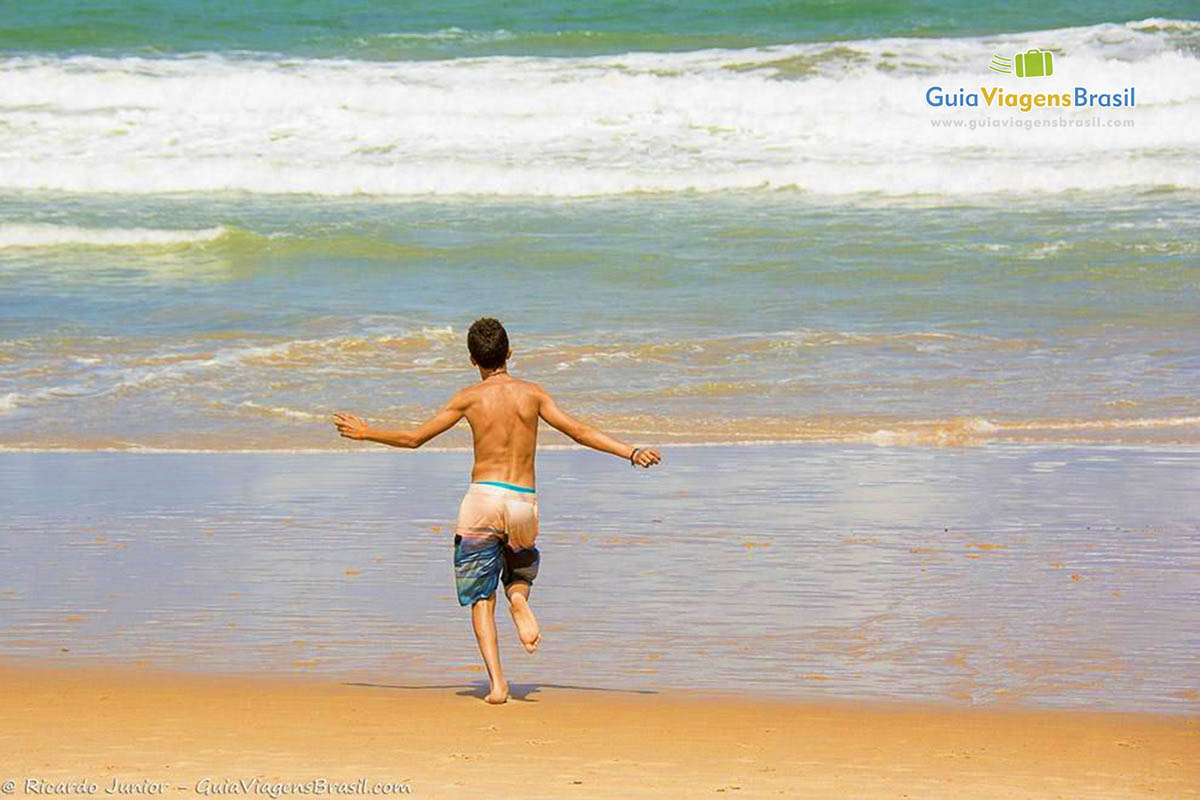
373	29
734	318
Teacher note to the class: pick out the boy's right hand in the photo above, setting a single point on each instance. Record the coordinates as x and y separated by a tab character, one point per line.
350	426
646	457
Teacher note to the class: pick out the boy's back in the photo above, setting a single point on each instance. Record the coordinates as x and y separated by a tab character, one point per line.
494	541
503	413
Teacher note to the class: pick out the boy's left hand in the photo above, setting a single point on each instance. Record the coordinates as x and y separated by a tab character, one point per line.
646	457
350	426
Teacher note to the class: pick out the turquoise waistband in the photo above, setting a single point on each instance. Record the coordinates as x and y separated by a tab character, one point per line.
508	486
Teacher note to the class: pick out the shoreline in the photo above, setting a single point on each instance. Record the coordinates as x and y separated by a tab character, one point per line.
858	444
101	723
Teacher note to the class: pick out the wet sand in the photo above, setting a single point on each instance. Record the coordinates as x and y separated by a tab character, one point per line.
441	740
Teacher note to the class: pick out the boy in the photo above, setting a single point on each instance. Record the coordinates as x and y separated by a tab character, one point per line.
498	520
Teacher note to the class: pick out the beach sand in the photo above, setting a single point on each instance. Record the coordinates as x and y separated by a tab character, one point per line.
97	723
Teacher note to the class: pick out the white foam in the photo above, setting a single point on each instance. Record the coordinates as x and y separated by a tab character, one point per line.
971	430
36	236
1158	23
1104	424
172	365
834	118
1170	450
451	34
284	411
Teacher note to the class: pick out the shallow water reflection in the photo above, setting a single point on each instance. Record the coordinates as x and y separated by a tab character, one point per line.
1049	576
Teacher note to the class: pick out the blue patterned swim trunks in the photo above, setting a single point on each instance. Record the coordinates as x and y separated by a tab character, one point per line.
494	539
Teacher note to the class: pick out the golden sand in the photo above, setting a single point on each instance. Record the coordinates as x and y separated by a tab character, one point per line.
140	726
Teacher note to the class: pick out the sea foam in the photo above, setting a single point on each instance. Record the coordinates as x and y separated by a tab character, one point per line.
40	236
828	118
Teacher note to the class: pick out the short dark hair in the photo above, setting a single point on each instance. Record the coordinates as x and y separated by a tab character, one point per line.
488	342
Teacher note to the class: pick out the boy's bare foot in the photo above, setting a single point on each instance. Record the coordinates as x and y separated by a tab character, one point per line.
527	626
498	695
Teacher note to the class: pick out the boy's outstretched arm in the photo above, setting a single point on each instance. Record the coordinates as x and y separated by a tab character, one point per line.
352	427
588	436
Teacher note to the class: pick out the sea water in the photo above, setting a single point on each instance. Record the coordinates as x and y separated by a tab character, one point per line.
1036	575
220	223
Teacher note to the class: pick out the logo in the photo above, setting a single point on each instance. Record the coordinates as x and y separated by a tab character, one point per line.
1030	64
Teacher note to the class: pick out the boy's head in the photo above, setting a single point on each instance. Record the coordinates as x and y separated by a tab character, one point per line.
488	343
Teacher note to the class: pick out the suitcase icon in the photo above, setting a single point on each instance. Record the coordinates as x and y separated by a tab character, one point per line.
1034	64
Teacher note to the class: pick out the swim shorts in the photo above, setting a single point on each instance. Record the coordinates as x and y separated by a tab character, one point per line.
493	541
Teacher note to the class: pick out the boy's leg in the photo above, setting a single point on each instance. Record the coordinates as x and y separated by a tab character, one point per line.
483	619
522	614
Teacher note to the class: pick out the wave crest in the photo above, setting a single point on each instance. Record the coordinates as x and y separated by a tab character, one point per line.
828	118
42	236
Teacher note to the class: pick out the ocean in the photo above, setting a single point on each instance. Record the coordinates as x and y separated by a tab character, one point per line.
704	225
220	222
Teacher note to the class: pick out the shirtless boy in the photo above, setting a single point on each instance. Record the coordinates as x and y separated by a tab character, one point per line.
498	519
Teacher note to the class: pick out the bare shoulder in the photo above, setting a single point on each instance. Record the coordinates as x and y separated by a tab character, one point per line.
464	397
533	390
